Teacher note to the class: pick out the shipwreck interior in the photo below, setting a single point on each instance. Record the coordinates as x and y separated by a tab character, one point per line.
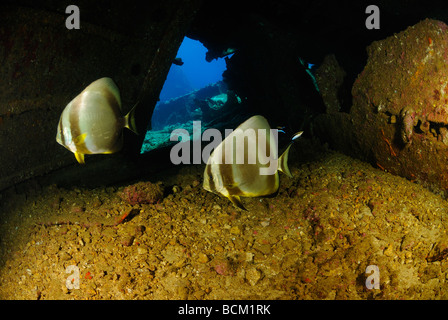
45	65
366	86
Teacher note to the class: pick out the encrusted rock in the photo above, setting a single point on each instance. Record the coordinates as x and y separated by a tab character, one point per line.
399	117
142	192
253	275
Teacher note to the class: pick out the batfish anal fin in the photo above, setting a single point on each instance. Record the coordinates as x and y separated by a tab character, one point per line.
237	202
80	157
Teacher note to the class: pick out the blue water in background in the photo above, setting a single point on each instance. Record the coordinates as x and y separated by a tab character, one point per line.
194	74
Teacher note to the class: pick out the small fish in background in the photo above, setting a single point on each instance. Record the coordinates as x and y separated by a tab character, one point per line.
237	180
295	136
178	61
281	129
92	122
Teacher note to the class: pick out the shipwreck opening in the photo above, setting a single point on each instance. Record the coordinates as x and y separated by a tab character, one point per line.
193	91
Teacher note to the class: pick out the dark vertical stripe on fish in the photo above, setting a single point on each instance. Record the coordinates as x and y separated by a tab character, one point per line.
211	182
112	101
61	132
73	117
228	179
227	175
74	120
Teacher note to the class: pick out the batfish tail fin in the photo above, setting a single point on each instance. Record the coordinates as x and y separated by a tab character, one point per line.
129	120
283	160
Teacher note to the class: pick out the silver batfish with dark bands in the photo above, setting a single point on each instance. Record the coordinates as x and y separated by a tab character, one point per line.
92	122
235	179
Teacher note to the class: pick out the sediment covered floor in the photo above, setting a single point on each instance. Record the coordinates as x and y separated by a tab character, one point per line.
314	240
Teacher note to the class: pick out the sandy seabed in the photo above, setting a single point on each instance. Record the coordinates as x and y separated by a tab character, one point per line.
314	240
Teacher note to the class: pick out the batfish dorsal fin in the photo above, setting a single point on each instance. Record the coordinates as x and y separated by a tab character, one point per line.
105	84
255	122
237	202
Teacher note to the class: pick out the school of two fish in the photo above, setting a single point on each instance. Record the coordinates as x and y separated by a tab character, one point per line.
92	123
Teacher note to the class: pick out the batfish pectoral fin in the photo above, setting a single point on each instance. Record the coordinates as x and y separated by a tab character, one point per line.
80	140
80	157
237	202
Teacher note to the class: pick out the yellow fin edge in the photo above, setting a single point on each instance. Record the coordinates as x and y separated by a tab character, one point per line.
80	157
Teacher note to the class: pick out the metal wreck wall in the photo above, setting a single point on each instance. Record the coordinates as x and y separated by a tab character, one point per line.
44	65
